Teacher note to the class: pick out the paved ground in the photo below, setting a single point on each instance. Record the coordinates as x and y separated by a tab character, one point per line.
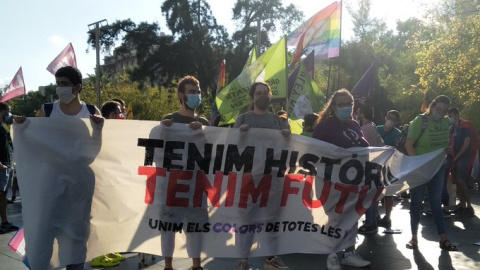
385	251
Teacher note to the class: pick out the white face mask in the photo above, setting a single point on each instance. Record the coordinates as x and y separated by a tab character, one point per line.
389	123
65	94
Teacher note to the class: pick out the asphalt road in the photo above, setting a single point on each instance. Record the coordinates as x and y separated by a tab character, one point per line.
385	251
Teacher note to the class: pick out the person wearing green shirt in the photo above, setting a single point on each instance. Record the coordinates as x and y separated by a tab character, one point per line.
434	137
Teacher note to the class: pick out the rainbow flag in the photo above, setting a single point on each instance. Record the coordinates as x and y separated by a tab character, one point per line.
17	244
320	33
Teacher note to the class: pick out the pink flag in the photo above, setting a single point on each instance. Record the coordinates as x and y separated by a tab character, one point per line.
17	244
15	88
65	58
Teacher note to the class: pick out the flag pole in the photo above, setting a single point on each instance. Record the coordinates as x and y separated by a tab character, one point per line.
339	51
341	13
286	76
328	79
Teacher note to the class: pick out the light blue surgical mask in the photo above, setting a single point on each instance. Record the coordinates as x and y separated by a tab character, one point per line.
344	113
193	101
436	116
451	120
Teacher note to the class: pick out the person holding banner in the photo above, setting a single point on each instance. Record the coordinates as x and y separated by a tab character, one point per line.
336	126
68	224
260	117
418	142
189	95
69	87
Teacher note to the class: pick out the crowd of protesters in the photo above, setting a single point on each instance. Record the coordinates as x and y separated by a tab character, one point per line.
440	127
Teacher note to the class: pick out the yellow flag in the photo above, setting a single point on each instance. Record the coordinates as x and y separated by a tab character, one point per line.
129	112
270	67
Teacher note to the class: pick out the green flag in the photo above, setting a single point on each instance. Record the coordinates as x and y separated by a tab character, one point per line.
228	118
231	117
275	73
269	67
251	58
296	126
305	97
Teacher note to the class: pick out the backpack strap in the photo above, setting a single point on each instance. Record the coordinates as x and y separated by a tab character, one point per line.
424	123
91	108
47	108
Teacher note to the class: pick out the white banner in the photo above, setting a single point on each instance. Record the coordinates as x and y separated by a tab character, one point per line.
224	193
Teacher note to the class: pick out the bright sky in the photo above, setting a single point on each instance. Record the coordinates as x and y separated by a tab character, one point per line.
33	32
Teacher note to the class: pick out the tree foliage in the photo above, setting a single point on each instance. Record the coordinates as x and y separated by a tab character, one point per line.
270	14
367	29
201	43
151	103
196	45
30	104
449	62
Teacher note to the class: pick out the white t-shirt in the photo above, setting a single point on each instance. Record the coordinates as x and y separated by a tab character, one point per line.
58	113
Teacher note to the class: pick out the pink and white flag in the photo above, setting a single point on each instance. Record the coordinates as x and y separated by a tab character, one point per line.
15	88
17	244
65	58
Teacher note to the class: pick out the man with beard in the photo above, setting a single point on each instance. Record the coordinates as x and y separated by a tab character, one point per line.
190	97
67	223
260	117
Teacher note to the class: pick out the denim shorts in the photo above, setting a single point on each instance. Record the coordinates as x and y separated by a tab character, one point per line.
6	177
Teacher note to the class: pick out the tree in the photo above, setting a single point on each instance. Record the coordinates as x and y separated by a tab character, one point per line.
150	103
366	29
247	14
201	43
449	63
153	50
196	47
30	103
397	76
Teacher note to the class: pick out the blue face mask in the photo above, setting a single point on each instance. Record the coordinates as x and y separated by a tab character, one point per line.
344	113
436	116
451	120
193	101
